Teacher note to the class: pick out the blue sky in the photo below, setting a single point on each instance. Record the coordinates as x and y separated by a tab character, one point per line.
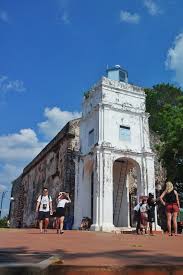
52	51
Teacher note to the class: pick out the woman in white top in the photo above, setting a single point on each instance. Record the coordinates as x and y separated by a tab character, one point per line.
62	199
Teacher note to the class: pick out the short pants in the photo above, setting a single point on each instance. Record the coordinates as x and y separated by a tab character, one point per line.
172	208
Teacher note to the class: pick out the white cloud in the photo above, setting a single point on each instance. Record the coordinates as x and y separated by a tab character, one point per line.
174	59
152	7
128	17
8	173
16	151
63	12
56	119
4	17
20	147
7	85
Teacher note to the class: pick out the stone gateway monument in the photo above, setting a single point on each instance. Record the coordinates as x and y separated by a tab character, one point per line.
109	150
115	165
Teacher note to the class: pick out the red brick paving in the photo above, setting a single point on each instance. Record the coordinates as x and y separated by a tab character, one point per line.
91	248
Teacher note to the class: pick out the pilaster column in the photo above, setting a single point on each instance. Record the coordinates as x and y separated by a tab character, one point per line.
107	207
96	194
78	193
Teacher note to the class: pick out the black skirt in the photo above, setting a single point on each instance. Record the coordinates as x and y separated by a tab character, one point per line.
60	212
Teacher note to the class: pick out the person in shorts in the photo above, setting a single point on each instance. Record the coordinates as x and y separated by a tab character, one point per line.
44	209
170	200
151	203
143	216
62	199
137	218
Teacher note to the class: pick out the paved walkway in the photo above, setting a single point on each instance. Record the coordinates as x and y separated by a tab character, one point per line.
90	248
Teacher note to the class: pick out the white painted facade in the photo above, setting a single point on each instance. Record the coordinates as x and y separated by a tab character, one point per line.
107	157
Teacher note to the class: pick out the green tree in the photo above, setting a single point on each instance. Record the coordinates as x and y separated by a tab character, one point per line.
164	102
3	222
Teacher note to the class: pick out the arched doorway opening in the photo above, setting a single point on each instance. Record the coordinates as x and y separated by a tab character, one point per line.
126	181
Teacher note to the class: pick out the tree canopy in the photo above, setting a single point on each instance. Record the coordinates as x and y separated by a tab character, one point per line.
164	102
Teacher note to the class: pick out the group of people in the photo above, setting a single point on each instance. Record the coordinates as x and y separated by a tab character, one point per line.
144	213
44	209
145	210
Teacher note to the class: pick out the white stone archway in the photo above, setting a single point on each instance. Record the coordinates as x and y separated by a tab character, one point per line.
126	182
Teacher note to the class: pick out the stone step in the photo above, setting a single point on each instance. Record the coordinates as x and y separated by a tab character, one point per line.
124	230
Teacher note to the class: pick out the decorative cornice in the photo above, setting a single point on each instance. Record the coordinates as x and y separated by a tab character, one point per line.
108	146
127	108
120	85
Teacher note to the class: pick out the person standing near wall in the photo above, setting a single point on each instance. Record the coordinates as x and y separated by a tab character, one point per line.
137	217
170	200
143	215
62	200
151	203
44	209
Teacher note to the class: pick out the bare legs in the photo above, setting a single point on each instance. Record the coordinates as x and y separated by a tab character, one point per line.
60	225
41	226
150	227
171	216
46	222
175	222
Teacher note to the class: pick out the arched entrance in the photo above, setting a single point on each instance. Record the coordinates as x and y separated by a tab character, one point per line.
126	180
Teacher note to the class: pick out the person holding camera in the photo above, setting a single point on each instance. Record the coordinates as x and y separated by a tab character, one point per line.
62	199
44	209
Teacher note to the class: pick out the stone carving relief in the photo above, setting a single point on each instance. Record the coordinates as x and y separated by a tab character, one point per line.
106	144
121	85
107	163
142	106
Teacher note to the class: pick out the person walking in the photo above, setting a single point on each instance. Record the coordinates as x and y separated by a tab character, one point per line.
137	217
62	200
44	209
151	203
170	200
143	216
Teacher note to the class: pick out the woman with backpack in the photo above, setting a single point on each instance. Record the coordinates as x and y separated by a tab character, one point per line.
170	200
62	199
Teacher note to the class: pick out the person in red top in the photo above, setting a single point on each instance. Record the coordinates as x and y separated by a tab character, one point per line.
170	200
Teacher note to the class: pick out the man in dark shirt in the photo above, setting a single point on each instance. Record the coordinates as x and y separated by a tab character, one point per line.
151	211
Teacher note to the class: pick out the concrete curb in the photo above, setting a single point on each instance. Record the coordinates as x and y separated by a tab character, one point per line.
41	268
117	270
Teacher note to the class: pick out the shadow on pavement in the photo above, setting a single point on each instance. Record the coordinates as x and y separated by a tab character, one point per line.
131	256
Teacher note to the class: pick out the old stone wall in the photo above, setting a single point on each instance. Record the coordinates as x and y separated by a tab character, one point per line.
160	171
16	204
53	168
